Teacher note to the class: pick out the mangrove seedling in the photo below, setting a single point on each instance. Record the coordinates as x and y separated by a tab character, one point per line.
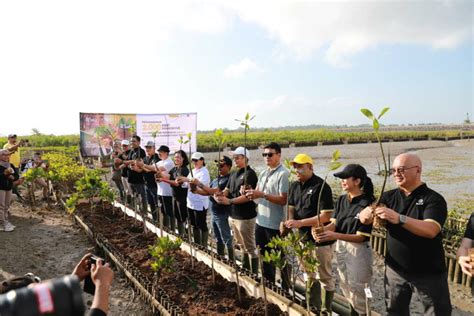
378	222
162	254
245	124
333	165
291	176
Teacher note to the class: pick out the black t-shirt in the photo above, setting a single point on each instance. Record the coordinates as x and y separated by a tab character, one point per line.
179	192
150	176
136	177
223	181
124	156
246	210
346	215
6	183
407	252
470	228
304	198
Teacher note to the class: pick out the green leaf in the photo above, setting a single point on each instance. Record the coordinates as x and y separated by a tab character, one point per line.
335	165
189	135
336	155
219	132
367	113
376	124
385	110
247	116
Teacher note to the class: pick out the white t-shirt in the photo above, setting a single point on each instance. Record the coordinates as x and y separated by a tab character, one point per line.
196	201
164	189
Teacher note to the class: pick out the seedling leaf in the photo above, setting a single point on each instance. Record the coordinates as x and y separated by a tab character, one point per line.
383	112
367	113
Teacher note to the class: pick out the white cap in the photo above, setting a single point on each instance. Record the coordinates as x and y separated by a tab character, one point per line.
125	142
197	155
242	151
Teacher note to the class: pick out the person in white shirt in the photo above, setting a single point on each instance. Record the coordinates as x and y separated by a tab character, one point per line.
198	204
165	193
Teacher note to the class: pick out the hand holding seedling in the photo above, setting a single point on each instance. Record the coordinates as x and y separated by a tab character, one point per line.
327	235
366	216
387	214
293	223
254	194
466	265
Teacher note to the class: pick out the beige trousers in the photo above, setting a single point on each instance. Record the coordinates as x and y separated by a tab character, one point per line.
354	266
324	273
244	234
5	200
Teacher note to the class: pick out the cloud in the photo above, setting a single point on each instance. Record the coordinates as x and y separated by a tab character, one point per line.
345	28
242	68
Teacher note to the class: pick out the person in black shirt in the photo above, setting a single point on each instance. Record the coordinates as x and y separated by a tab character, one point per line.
415	258
149	171
302	212
119	164
220	213
8	175
116	172
244	211
353	252
135	175
180	191
465	252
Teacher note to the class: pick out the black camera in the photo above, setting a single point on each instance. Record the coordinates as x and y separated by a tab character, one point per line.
89	286
62	296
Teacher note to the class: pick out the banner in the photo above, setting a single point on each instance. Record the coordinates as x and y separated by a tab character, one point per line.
100	132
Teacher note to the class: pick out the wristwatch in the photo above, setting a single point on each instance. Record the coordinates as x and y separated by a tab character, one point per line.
403	219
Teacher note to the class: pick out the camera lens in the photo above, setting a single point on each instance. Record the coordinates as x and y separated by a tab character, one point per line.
61	296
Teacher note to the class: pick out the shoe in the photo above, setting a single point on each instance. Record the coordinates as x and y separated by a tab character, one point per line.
9	227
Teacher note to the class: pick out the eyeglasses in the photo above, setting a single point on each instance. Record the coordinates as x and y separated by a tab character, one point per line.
269	155
400	170
195	160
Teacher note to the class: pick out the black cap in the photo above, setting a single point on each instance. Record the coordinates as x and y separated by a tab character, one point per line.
225	160
352	170
12	136
164	148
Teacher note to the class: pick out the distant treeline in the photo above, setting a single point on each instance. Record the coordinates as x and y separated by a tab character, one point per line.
255	138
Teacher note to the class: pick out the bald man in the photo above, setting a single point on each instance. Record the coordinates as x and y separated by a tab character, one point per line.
415	259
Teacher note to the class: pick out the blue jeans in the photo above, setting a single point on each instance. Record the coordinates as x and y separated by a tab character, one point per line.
152	198
220	226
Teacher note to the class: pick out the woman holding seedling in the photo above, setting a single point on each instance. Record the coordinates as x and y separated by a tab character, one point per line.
353	252
198	204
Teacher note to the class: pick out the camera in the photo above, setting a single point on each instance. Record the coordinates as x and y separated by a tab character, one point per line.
61	296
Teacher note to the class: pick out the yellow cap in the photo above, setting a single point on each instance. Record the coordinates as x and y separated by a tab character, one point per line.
301	159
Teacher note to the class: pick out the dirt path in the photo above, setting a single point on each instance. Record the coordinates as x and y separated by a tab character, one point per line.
49	245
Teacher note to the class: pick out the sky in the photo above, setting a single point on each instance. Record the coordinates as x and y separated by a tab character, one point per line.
287	62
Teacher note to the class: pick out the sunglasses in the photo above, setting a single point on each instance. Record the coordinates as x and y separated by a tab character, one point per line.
269	155
194	160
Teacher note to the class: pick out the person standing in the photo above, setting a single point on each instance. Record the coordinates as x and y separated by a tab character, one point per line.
147	165
14	147
135	175
116	172
220	213
8	174
119	164
165	193
180	190
271	195
415	260
302	213
243	214
353	252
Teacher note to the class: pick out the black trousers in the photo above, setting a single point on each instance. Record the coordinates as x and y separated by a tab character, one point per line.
198	219
263	235
432	290
166	205
180	210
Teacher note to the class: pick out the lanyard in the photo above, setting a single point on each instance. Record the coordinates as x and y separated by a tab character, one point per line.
268	177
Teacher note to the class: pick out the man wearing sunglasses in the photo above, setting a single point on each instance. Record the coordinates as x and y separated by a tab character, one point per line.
415	260
270	194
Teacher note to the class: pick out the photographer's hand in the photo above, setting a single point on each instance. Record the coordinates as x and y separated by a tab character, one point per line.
82	269
102	276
